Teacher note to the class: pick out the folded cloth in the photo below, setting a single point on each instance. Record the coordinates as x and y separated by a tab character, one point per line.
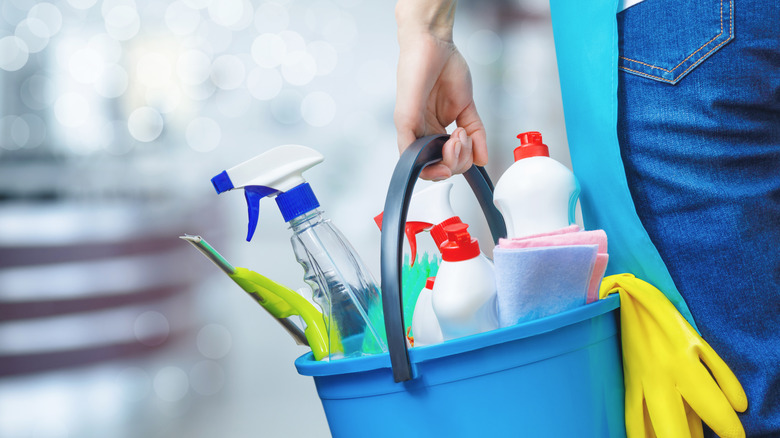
570	236
535	282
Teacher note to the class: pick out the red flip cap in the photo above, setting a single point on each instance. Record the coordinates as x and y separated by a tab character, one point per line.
459	245
531	146
429	282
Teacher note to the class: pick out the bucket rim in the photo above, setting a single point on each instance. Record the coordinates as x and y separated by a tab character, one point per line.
308	366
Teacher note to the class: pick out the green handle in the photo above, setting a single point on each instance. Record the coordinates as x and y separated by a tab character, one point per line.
282	302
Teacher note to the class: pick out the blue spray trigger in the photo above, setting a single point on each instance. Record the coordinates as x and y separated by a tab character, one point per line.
254	194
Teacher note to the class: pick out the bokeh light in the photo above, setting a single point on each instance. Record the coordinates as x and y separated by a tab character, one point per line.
228	72
193	67
171	384
145	124
226	12
85	66
299	68
37	130
269	50
36	92
13	53
181	18
484	47
151	328
113	82
154	69
214	341
49	14
122	22
34	32
11	129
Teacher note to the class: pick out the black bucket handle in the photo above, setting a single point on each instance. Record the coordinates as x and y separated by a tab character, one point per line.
423	152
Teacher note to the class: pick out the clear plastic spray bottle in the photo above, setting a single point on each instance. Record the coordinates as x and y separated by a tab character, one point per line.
341	284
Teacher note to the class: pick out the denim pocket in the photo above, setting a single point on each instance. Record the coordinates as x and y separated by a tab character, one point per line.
665	39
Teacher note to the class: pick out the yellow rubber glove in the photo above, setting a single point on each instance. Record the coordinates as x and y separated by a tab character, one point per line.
669	391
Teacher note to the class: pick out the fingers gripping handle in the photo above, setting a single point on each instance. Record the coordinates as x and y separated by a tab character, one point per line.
418	155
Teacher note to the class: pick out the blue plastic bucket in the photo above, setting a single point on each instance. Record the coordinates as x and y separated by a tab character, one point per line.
559	376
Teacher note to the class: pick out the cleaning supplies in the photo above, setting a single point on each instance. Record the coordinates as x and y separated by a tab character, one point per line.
464	294
425	325
281	302
536	194
674	380
429	210
536	282
341	284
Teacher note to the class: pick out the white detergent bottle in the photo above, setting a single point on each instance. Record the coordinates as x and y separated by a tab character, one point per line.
425	326
341	284
464	295
536	194
429	210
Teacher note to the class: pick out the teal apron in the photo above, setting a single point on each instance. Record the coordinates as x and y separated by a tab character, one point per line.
586	45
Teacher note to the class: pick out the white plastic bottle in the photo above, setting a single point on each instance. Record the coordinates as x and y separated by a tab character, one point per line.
536	194
464	295
425	325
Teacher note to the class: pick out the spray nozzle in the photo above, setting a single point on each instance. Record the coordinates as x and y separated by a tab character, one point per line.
429	210
277	173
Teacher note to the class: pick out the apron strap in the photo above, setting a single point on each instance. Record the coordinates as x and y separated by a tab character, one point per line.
586	46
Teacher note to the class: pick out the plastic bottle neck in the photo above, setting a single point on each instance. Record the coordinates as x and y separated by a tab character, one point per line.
306	220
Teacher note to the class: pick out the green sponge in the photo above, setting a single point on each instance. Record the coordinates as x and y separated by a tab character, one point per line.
413	278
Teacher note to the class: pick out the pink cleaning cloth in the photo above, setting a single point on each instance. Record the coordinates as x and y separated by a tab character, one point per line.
565	237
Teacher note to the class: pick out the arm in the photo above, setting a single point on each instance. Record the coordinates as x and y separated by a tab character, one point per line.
434	87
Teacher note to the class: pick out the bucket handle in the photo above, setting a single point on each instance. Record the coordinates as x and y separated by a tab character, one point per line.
421	153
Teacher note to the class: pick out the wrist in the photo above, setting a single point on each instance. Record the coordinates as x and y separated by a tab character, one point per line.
431	17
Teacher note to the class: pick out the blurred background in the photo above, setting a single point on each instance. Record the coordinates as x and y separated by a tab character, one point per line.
115	114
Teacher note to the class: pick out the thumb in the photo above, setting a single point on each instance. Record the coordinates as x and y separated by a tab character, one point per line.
469	120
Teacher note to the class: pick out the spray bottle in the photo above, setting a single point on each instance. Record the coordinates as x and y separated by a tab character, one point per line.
340	282
536	194
464	294
429	210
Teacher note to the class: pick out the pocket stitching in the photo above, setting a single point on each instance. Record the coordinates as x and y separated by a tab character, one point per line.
731	14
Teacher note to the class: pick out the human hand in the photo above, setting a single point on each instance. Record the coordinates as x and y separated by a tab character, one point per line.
434	88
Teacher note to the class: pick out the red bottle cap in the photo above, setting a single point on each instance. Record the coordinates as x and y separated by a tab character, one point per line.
531	146
459	245
429	283
438	233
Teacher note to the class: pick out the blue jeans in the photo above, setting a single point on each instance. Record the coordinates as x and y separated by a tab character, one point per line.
699	130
